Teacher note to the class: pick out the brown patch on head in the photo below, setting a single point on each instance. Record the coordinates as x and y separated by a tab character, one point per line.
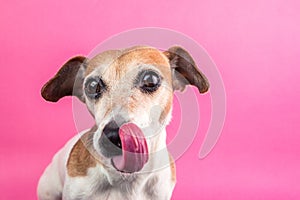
144	55
120	62
113	66
80	158
173	168
135	57
102	60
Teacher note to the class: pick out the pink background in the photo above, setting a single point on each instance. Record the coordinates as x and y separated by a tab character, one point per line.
255	45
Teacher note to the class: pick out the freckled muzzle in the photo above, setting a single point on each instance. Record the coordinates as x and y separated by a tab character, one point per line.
126	146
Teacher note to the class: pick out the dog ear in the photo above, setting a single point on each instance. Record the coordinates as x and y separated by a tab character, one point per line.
184	70
67	81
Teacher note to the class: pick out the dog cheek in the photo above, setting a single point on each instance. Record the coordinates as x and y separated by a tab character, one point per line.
166	111
90	108
134	102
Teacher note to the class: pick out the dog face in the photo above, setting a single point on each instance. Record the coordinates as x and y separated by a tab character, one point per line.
127	91
126	86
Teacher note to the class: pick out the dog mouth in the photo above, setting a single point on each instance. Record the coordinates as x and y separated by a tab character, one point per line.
130	152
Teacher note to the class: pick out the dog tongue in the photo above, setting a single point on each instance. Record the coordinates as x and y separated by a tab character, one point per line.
134	149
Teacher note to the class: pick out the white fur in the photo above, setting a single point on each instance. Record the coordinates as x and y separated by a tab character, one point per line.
155	180
56	182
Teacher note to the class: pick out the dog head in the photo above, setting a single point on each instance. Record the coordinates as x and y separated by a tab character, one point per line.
129	93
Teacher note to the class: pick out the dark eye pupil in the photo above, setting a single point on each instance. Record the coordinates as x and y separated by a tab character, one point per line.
94	88
149	81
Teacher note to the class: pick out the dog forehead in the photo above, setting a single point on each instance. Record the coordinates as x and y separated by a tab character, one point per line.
143	55
123	61
102	60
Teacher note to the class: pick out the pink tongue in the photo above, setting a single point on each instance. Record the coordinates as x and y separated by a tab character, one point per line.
134	149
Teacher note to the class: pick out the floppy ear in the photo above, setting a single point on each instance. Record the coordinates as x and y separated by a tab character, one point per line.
67	81
184	70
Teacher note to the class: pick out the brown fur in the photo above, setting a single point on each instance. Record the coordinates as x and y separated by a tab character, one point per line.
60	86
118	69
145	55
102	60
185	71
116	62
81	159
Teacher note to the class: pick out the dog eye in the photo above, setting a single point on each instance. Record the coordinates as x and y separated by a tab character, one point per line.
94	88
150	81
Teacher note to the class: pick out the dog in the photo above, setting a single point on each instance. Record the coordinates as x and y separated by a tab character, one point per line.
129	93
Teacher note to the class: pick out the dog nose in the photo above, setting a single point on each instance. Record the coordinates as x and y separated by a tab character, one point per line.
111	131
110	143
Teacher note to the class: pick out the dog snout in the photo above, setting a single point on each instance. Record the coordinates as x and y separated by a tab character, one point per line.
111	131
110	143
